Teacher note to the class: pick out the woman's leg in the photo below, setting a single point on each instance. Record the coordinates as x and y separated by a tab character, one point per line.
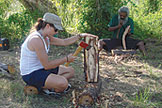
60	81
67	72
56	82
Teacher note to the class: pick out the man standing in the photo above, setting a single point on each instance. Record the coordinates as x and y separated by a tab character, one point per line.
118	24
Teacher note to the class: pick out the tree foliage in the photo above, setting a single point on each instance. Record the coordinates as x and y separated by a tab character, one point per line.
90	16
78	16
148	18
15	20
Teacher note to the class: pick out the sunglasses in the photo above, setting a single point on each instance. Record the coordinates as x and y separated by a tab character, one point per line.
56	29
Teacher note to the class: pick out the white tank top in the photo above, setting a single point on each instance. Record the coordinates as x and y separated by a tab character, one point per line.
29	61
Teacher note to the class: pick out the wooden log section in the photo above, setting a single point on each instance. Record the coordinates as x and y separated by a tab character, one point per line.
90	94
121	52
30	90
91	60
91	68
7	67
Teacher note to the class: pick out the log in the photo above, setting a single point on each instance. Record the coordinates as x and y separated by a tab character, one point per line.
91	60
8	67
90	94
122	52
30	90
91	68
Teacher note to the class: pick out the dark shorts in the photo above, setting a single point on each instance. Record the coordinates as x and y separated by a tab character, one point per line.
38	77
114	43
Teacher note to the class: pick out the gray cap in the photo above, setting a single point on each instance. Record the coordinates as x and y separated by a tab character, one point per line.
53	19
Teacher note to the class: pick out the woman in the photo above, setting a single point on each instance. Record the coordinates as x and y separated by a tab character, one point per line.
36	69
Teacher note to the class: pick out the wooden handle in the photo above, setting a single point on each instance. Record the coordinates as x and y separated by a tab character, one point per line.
75	54
124	35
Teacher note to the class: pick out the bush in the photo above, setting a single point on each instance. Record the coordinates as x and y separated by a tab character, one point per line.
148	18
15	24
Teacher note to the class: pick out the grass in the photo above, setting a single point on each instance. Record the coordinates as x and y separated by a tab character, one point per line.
137	91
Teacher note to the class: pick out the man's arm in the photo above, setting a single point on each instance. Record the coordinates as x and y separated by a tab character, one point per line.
116	27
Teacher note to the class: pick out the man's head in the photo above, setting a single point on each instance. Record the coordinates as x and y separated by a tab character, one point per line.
123	12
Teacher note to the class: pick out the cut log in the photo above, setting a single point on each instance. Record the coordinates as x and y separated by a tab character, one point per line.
90	94
30	90
7	67
91	60
91	68
121	52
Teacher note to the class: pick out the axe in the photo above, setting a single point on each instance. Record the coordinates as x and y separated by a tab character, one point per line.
80	47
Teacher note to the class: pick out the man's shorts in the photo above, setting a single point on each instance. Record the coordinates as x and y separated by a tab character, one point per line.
38	77
114	43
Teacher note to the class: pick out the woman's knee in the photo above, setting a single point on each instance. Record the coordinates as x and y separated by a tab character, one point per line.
62	84
71	71
57	82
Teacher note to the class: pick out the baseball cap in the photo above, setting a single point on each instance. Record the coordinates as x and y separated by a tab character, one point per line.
53	19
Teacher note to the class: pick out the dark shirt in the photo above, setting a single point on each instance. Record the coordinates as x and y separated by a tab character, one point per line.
114	22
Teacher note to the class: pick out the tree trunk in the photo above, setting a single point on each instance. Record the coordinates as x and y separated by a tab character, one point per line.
41	5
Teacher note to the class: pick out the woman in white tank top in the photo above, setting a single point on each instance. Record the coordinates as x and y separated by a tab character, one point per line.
36	69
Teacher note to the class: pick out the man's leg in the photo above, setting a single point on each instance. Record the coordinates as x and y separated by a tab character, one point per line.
108	44
141	47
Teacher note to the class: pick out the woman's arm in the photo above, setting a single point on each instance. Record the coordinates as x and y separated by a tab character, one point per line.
64	42
71	40
38	46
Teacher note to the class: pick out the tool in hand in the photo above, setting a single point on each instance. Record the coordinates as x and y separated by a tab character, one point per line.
124	36
80	47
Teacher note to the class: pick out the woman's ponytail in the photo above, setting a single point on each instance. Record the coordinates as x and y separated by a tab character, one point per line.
40	24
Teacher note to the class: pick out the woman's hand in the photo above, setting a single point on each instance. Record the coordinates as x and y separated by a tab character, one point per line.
82	35
71	58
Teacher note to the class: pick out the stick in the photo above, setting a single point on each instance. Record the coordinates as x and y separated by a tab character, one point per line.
124	35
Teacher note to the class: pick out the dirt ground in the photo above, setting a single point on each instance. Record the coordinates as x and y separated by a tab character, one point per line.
131	81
